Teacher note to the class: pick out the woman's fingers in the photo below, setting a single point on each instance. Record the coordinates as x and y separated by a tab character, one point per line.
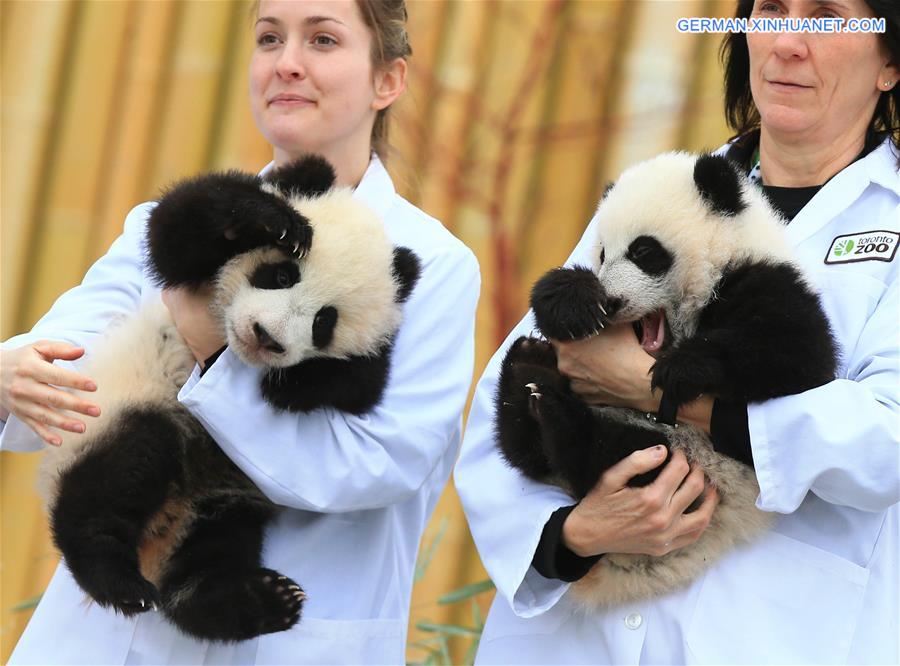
53	418
689	490
43	431
52	397
51	349
670	478
49	373
691	525
637	463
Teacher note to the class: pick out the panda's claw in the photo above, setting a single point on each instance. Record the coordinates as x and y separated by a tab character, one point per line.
283	234
296	247
602	309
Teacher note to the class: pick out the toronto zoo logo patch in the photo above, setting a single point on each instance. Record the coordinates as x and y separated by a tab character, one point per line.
865	246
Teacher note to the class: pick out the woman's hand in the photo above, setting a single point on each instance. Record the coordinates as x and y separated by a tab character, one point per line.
609	369
31	388
194	321
612	368
615	518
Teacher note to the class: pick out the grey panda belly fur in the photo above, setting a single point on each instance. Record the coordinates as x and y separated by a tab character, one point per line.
620	578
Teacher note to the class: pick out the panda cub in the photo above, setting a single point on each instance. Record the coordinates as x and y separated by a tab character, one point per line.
691	254
145	508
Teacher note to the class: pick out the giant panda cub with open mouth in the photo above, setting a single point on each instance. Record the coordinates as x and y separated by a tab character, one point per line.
146	509
693	256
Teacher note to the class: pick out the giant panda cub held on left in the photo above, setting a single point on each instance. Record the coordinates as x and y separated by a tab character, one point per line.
691	254
146	509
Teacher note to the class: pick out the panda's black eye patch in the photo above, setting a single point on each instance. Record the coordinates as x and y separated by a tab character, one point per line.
323	326
649	255
282	275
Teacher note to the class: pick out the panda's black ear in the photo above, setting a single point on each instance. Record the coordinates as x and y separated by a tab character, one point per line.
719	184
310	176
407	269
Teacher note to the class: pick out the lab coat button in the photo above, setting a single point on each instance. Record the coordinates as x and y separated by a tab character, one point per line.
633	620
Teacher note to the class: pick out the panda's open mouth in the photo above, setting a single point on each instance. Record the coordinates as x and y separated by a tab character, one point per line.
651	331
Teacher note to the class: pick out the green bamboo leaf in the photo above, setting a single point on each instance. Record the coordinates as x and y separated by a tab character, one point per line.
466	592
28	604
469	659
477	618
445	651
452	629
429	551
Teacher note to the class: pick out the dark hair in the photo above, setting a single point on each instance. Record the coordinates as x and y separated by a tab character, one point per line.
740	110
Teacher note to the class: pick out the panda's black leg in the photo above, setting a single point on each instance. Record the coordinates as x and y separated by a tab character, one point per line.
582	442
567	436
104	503
215	588
527	361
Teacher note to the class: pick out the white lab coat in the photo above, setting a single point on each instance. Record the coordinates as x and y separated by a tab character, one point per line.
823	585
357	490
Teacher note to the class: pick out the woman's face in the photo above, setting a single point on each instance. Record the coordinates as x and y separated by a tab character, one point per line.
312	87
815	84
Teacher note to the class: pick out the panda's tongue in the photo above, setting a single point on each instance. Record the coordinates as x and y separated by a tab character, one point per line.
654	332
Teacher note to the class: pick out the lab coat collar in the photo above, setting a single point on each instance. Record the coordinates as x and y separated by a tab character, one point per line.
878	167
376	189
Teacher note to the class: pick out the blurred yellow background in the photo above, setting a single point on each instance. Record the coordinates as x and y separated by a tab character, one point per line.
517	113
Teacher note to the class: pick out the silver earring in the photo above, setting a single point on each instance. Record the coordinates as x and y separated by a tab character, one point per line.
888	84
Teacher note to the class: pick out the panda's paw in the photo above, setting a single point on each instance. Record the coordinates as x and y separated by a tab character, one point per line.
545	403
569	304
285	229
683	377
532	351
129	596
293	236
278	600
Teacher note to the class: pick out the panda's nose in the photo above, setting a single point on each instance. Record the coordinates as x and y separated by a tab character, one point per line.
265	340
613	305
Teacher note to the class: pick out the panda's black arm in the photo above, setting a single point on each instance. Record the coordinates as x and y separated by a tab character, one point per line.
764	335
353	385
201	223
569	303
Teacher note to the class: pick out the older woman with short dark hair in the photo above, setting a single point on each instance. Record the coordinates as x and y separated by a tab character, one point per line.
818	130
